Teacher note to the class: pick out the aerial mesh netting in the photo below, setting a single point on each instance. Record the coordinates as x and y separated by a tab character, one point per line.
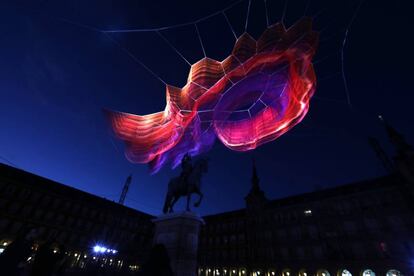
258	93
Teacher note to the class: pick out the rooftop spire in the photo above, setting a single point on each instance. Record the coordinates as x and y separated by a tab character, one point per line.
255	198
255	178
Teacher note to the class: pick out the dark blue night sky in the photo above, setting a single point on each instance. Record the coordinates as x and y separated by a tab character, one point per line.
56	76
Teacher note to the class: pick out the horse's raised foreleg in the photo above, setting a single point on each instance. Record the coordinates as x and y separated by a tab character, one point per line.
199	199
188	202
167	203
175	199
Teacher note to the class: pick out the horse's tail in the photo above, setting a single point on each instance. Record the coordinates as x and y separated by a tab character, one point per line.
166	202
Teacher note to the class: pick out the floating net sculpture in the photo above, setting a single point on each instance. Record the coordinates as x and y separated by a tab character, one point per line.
250	98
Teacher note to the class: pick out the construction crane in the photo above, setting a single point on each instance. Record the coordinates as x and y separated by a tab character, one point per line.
125	190
382	156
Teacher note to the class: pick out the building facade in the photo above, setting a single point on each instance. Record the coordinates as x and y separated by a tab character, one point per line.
91	229
362	229
350	229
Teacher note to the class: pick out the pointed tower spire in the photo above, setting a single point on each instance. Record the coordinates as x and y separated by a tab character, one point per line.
397	139
256	197
255	178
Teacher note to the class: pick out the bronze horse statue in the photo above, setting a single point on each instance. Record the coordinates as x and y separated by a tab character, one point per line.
179	186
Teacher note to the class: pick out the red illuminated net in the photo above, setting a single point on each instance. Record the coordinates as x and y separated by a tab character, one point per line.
252	97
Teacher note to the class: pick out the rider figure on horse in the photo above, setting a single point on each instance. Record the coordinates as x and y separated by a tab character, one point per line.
187	183
186	166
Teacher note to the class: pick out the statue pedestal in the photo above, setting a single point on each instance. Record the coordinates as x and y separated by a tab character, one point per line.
178	232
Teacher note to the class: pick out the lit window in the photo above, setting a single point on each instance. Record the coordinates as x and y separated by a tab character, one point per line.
286	273
393	272
345	272
368	272
308	212
323	272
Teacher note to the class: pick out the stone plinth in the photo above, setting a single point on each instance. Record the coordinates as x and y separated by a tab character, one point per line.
178	232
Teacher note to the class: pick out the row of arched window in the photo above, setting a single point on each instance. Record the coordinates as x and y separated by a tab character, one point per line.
287	272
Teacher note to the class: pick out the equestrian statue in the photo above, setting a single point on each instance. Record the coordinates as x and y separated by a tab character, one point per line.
187	183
